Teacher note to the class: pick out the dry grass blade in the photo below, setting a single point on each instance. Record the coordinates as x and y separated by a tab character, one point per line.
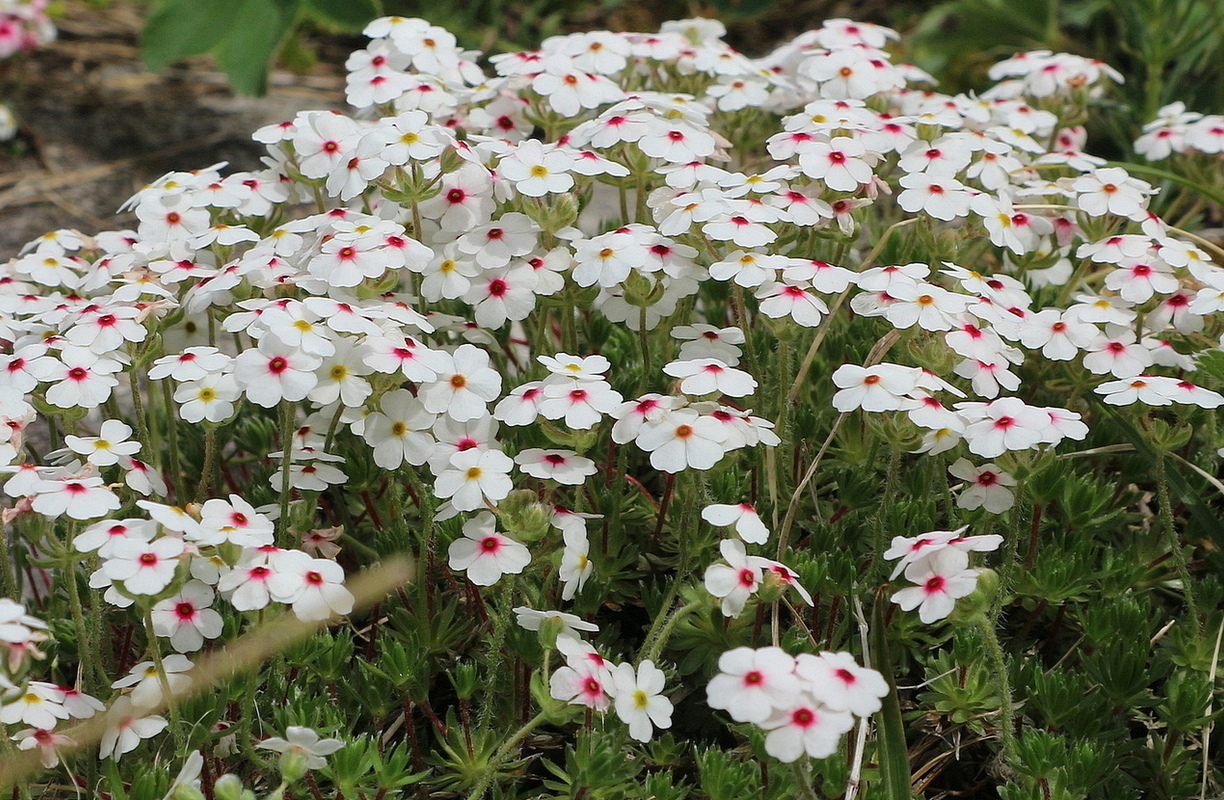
242	654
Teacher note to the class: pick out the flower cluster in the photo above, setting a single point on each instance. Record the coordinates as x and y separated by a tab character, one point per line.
806	702
557	323
1176	130
635	693
938	564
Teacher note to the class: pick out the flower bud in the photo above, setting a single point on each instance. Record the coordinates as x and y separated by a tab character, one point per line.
292	765
554	212
185	792
229	787
451	160
550	629
525	517
979	603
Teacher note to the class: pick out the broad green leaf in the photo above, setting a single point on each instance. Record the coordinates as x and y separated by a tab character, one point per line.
352	15
179	28
1212	363
259	28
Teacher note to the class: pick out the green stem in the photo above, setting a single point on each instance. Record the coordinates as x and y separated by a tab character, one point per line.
879	528
172	466
287	421
503	753
167	694
501	624
998	663
142	422
210	464
1175	548
91	665
652	647
8	581
803	779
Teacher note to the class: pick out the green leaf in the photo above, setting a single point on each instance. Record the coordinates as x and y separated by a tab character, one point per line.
1212	363
894	753
179	28
352	15
258	30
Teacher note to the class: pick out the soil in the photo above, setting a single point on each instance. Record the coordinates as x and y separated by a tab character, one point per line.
96	124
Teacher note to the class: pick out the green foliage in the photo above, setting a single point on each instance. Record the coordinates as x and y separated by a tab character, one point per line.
595	767
243	35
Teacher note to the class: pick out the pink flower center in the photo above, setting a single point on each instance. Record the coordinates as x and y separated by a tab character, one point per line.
490	544
184	610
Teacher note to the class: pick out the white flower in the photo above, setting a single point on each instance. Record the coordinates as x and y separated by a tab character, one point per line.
536	171
314	586
563	466
639	701
1111	191
741	516
126	727
304	742
530	619
234	520
808	728
105	449
79	497
580	404
709	376
682	439
485	554
944	198
210	398
883	387
751	684
576	565
941	580
41	705
840	684
144	568
472	476
987	487
47	742
146	683
735	581
186	617
275	371
395	432
465	384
